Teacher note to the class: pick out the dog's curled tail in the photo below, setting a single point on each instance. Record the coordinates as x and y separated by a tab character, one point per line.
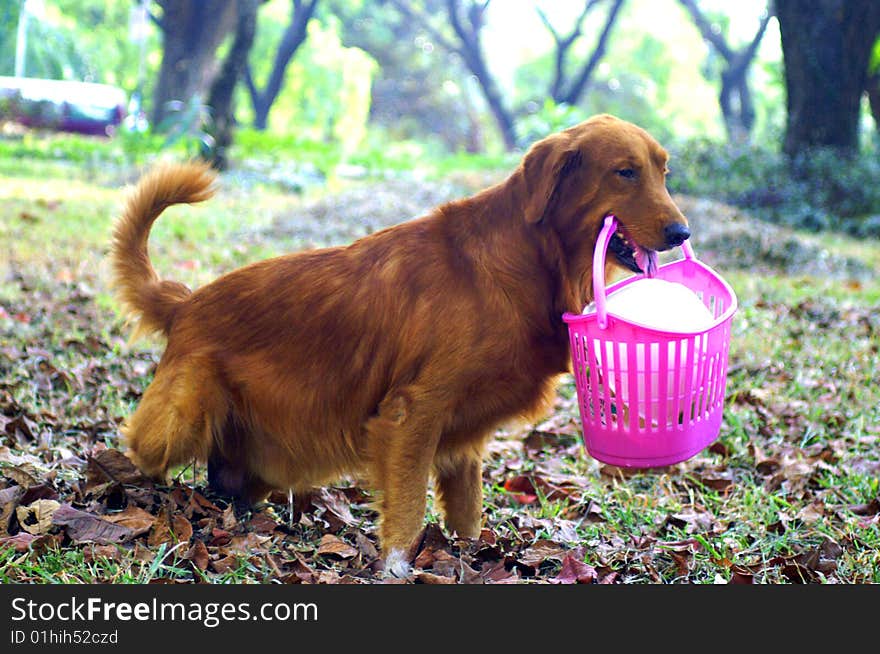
148	300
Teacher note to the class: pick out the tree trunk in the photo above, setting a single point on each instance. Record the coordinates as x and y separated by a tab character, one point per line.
191	34
222	90
472	53
467	45
826	46
579	85
737	108
471	50
294	36
735	97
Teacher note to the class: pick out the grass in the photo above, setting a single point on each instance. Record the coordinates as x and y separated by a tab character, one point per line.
784	495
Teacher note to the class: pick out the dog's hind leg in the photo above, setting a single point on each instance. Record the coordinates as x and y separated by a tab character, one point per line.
175	419
233	479
228	471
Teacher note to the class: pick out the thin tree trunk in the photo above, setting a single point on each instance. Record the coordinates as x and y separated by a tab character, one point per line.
503	118
294	36
563	45
471	51
222	90
735	97
737	108
467	45
576	90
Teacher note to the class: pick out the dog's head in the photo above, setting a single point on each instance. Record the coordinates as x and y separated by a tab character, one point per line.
574	178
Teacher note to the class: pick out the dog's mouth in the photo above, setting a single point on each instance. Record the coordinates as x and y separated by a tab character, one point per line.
630	254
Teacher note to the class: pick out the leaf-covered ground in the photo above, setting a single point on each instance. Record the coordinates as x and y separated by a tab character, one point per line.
788	493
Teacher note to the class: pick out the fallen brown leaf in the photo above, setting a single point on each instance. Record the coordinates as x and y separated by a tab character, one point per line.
39	492
741	577
193	503
229	521
327	577
334	508
220	536
575	571
812	513
871	508
24	542
9	499
84	527
541	551
20	542
431	578
300	569
717	479
334	546
225	564
822	558
25	475
469	575
693	520
445	564
262	523
497	573
94	552
198	555
365	546
424	559
170	529
36	517
143	553
112	465
245	543
133	517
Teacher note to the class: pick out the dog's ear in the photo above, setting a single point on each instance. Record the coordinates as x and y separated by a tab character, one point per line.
545	165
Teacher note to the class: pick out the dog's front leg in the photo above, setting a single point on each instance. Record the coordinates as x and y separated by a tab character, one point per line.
402	443
460	493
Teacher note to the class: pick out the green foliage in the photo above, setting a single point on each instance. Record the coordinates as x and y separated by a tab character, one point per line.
186	124
255	144
817	190
420	90
551	117
874	63
62	147
644	90
326	90
84	40
51	52
126	147
655	79
377	157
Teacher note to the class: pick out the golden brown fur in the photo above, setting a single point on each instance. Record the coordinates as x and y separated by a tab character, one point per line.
397	356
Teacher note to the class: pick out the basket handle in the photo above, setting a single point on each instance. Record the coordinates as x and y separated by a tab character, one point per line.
599	253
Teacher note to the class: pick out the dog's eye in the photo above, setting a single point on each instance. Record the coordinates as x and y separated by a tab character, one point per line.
626	173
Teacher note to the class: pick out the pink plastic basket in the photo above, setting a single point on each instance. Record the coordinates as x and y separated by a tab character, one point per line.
649	397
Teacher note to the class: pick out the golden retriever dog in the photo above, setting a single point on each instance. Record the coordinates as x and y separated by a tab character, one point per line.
396	357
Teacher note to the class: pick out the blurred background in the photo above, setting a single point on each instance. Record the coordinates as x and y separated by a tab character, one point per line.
768	105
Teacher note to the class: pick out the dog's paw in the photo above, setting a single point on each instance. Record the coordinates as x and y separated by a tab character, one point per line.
397	565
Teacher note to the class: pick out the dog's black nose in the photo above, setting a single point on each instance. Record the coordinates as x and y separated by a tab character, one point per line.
676	234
